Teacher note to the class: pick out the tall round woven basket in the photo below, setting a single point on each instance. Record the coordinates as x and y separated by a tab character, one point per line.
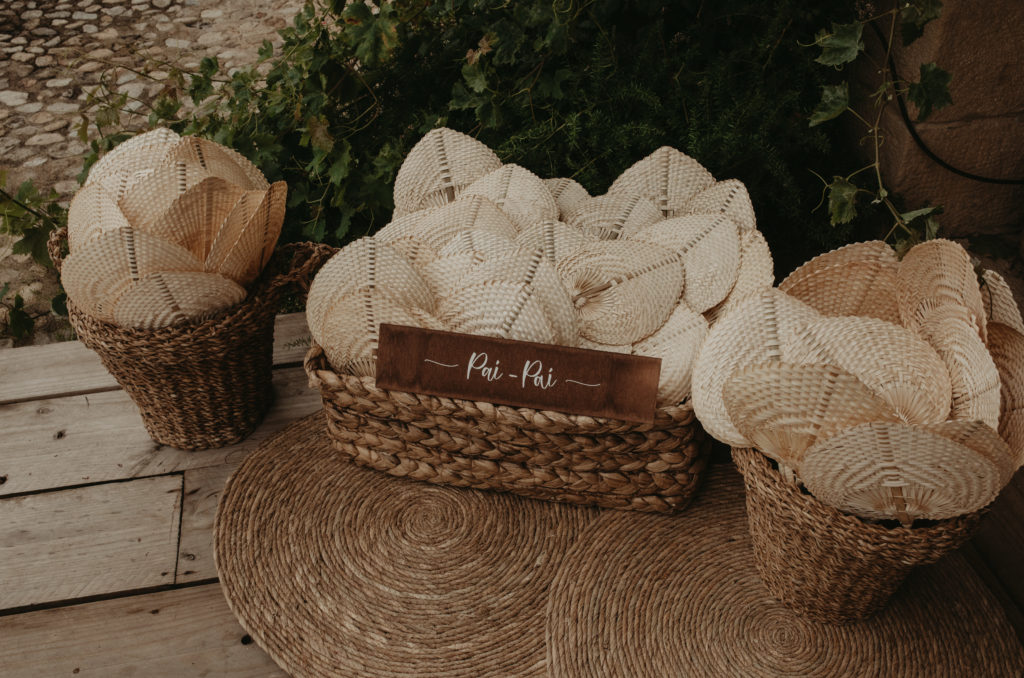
535	453
205	383
827	565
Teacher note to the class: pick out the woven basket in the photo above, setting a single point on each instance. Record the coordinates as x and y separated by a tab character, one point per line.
541	454
205	383
827	565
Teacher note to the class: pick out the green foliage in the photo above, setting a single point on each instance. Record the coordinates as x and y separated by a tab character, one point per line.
931	91
30	216
566	88
842	45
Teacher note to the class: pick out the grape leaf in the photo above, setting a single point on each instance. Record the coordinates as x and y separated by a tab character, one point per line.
931	92
915	16
834	100
842	197
841	45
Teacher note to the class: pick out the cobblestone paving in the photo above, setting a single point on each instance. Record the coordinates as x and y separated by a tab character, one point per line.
53	52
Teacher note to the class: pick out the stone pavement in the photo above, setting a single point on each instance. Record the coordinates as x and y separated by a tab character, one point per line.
53	52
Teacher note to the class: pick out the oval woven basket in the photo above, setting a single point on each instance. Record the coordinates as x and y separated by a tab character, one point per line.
541	454
205	383
827	565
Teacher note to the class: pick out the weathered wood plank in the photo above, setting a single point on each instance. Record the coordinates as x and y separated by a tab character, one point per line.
203	487
999	542
99	437
182	633
67	368
88	541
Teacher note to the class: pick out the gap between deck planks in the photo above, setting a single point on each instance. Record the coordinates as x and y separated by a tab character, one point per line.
89	541
185	632
66	368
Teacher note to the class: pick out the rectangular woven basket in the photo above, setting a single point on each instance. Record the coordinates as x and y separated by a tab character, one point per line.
541	454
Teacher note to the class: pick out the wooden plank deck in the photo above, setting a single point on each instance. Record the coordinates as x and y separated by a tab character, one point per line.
106	555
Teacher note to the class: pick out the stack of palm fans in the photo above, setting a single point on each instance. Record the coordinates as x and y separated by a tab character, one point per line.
169	229
483	248
884	390
170	280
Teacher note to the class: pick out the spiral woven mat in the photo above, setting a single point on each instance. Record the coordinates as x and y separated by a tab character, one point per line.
337	570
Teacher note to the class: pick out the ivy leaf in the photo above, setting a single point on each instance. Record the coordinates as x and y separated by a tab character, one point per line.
19	322
549	85
842	198
475	77
373	37
931	228
265	51
931	92
834	100
841	45
915	16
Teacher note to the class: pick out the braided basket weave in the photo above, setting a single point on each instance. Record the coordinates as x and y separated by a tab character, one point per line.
827	565
205	383
541	454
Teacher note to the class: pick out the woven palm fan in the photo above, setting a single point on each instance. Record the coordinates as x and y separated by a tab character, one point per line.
194	218
567	194
981	438
162	299
498	309
606	217
676	343
131	159
93	211
364	263
488	244
758	330
869	250
998	302
555	239
667	177
755	274
217	161
784	408
710	249
243	244
416	252
622	290
1006	345
896	364
626	349
972	373
864	288
96	275
534	270
150	197
885	470
444	275
935	273
435	227
519	193
438	168
729	198
350	332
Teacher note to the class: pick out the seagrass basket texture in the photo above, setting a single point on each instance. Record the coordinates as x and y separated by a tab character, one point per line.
541	454
827	565
201	383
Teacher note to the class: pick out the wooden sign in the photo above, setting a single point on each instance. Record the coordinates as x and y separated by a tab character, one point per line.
518	373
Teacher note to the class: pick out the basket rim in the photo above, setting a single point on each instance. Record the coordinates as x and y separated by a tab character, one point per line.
324	378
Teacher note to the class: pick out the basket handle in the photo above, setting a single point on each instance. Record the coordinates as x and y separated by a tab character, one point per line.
56	246
295	264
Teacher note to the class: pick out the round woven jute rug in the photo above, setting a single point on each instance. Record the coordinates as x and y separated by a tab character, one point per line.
336	570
